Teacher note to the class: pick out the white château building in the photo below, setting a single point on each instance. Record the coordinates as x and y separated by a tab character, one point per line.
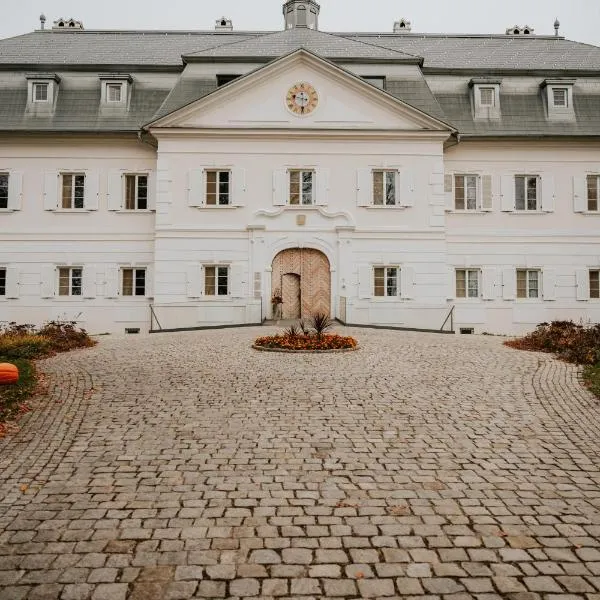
156	179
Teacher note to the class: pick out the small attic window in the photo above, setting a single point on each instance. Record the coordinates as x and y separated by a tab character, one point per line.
487	96
40	91
223	79
114	92
560	97
378	81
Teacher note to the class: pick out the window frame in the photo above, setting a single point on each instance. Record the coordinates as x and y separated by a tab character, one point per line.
594	285
464	177
216	277
3	277
301	173
565	92
108	81
592	177
136	207
4	196
384	191
134	282
218	183
527	295
386	279
73	175
538	199
490	89
374	80
114	85
71	285
468	271
35	85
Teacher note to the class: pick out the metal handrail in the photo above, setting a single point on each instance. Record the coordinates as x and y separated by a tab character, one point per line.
153	315
451	317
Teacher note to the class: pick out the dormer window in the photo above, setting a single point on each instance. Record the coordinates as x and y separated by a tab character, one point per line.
114	92
115	89
40	92
559	98
485	98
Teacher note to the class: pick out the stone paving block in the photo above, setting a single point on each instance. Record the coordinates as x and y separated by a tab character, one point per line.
110	591
376	588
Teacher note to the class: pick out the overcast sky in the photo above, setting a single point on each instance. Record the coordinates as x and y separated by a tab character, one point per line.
580	19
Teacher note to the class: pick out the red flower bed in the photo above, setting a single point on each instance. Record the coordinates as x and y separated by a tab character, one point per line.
328	341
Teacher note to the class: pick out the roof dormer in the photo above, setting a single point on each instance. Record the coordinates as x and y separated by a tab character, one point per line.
301	13
116	90
485	98
559	98
42	89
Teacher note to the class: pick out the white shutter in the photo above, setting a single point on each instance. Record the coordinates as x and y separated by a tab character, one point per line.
236	280
365	283
487	202
48	277
507	187
449	191
579	194
280	187
152	190
451	283
548	193
51	179
488	283
509	284
582	278
194	280
407	282
196	192
364	187
238	187
112	281
12	282
406	186
91	191
322	187
150	281
89	281
549	284
115	190
15	190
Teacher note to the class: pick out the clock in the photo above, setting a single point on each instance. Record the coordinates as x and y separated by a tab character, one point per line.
302	99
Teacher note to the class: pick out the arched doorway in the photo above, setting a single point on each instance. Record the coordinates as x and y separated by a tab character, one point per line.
302	277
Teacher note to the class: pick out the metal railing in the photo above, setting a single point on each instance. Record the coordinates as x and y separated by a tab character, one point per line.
451	317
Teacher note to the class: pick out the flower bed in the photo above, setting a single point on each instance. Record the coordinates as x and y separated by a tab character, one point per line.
328	342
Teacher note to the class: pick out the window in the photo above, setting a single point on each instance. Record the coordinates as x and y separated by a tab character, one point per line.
301	187
3	190
560	97
73	189
223	79
216	281
467	283
114	92
378	82
70	281
487	96
218	187
526	192
595	283
465	192
2	282
40	92
386	281
134	282
136	192
528	283
593	182
384	188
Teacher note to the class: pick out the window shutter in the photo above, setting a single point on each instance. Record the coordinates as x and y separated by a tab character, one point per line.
196	191
487	202
364	187
407	283
15	190
152	190
579	194
90	192
194	280
150	281
48	276
507	187
51	179
115	190
488	283
237	286
89	281
451	284
548	193
406	186
12	282
322	187
112	281
365	285
280	187
582	278
449	191
549	284
509	284
257	285
238	187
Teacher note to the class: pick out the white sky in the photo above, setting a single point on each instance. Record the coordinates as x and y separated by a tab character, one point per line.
580	19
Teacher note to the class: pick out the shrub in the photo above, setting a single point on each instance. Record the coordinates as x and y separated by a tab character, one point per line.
65	335
26	345
321	323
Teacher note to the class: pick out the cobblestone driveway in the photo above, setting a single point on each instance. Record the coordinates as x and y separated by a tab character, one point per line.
189	465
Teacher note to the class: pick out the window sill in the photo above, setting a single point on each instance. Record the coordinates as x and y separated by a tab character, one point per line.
63	211
302	206
528	212
478	211
8	210
219	206
134	211
386	207
587	213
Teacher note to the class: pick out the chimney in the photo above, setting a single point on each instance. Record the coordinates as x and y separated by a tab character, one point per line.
556	26
223	24
42	21
67	24
402	26
517	30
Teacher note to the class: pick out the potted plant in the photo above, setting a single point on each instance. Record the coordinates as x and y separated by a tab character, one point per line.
276	302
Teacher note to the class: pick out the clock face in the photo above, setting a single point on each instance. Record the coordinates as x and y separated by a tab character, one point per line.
302	99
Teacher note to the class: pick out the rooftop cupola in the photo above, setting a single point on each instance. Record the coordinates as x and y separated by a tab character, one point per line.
301	13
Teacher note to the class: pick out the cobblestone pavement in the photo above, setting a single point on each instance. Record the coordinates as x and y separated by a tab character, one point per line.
188	465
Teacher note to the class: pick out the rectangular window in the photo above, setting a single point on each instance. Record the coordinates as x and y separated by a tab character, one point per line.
73	190
467	283
528	283
465	192
2	282
134	282
114	92
386	281
526	192
301	187
595	283
224	79
218	188
560	97
592	192
40	92
3	190
136	192
487	96
378	82
384	188
70	281
216	281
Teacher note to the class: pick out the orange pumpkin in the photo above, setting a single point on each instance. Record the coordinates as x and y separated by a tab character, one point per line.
8	373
